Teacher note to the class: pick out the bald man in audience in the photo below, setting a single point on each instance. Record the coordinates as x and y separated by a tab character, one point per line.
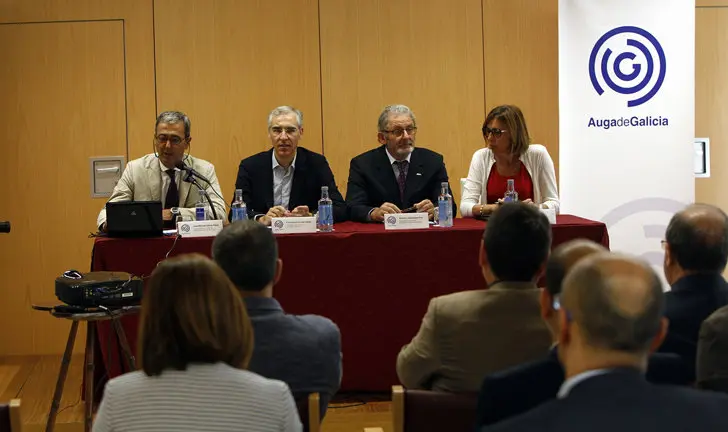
518	389
712	364
610	318
696	253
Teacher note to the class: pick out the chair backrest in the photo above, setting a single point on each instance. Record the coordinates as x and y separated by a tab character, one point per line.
10	416
424	410
308	411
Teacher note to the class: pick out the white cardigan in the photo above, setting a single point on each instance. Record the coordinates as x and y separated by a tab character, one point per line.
538	164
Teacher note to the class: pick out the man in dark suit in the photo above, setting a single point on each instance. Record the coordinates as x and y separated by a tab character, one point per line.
304	351
286	180
696	253
395	176
712	362
610	317
518	389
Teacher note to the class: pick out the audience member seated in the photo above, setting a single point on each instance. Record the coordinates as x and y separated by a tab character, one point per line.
712	367
696	252
610	318
286	180
466	335
155	177
195	341
520	388
508	155
302	350
396	175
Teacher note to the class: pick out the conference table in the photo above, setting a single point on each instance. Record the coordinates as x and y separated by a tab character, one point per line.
375	284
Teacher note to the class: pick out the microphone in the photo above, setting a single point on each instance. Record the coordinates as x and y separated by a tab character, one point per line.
181	166
5	227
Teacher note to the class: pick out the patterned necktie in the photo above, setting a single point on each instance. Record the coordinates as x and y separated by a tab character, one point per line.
172	199
402	177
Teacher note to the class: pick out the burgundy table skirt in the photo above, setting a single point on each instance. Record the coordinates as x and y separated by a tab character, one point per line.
374	284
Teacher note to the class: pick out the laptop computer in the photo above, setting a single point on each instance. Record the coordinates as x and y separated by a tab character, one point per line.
134	219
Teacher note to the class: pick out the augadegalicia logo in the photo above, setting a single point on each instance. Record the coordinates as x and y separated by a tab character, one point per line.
629	61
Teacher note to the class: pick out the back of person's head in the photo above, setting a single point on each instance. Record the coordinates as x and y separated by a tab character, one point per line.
712	359
563	258
248	253
516	241
697	239
192	313
616	301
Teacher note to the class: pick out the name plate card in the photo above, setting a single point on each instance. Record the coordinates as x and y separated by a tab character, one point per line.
399	221
205	228
550	214
293	225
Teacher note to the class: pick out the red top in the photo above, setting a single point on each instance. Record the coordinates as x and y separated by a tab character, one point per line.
497	184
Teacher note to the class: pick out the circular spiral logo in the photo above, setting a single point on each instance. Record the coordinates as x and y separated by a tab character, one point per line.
184	228
391	220
638	69
278	224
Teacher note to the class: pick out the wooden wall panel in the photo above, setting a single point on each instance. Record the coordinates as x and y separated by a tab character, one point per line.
228	63
63	101
711	94
522	64
427	54
77	80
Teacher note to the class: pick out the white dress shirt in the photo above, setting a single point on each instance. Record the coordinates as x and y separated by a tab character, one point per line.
576	379
166	181
282	181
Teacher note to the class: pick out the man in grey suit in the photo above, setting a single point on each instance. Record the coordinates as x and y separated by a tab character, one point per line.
157	177
302	350
467	335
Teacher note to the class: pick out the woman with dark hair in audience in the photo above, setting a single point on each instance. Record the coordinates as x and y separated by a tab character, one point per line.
195	342
508	155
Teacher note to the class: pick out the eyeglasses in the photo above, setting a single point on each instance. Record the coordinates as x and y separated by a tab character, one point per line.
173	139
663	243
496	132
399	132
290	130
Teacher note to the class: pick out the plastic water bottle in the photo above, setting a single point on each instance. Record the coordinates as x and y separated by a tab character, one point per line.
325	221
511	194
240	211
444	206
201	208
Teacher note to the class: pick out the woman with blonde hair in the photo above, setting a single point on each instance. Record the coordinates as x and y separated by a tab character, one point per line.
195	342
508	155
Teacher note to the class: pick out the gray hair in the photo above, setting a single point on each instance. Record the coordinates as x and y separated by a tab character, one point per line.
172	117
617	300
394	109
285	110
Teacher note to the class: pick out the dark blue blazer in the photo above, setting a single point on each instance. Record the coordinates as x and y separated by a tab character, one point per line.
255	178
692	299
622	400
372	181
518	389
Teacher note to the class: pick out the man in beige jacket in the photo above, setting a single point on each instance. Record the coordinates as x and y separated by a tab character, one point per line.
157	177
467	335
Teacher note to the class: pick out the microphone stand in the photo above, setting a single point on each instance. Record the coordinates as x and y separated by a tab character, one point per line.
190	178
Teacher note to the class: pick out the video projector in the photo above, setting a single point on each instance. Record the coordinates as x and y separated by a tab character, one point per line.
111	289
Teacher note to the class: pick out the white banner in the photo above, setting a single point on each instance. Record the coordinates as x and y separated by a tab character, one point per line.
627	116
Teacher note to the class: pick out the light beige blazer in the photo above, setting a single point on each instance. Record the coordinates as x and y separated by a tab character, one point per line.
142	181
467	335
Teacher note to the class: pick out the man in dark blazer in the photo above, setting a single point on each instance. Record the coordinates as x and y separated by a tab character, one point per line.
304	351
610	318
518	389
395	176
696	253
286	180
